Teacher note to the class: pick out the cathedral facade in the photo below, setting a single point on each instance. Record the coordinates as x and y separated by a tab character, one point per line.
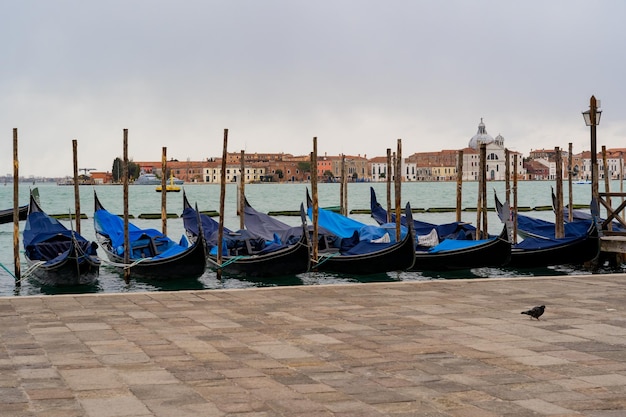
496	159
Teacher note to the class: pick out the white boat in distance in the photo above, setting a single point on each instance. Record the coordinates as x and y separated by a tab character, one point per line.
151	179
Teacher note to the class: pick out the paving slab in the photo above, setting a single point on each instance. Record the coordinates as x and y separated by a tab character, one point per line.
434	348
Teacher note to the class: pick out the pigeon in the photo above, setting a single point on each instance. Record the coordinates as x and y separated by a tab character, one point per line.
535	312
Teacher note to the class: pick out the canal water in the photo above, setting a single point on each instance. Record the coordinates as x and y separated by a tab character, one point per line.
265	198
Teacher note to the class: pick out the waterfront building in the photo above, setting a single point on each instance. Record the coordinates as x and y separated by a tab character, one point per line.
378	169
496	161
357	168
536	169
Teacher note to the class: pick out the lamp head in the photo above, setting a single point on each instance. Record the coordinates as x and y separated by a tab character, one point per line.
588	120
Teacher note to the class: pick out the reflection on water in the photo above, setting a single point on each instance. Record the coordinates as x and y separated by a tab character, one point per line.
111	280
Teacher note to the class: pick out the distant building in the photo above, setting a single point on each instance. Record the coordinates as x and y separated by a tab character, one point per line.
102	177
496	161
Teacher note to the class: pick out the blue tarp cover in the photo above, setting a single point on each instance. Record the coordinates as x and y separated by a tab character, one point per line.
530	243
336	224
46	239
546	229
233	242
454	230
453	244
352	241
112	226
40	227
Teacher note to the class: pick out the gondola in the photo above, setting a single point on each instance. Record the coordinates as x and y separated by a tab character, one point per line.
264	225
453	254
450	246
358	255
248	255
541	248
578	215
6	215
57	256
454	230
153	255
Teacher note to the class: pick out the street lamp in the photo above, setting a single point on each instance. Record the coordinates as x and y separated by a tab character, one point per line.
592	119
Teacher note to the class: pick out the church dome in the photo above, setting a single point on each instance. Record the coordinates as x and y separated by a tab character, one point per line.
480	137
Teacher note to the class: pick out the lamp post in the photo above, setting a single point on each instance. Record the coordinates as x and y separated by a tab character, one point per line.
592	119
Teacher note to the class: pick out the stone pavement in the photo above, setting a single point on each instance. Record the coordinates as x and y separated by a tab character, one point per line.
436	348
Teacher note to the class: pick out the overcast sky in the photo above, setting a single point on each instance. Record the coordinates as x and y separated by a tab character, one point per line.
357	74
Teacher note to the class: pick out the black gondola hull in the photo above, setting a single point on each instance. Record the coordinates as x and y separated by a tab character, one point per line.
190	263
578	252
73	270
493	253
55	255
6	215
292	260
399	257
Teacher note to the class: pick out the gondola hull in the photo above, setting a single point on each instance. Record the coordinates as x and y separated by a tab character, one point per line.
6	215
577	252
540	247
70	270
188	263
291	260
55	255
494	252
398	257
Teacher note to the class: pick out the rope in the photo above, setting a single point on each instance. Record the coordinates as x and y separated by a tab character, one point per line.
325	258
236	258
31	269
9	272
225	264
123	265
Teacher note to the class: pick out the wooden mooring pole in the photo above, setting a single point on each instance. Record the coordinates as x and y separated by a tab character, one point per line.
242	191
507	177
388	178
481	204
570	196
16	213
559	229
220	230
459	184
343	205
314	209
515	199
607	183
398	189
164	190
76	187
125	191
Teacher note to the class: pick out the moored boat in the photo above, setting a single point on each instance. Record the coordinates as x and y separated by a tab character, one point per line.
451	254
246	254
540	247
170	186
56	255
450	246
152	254
6	215
151	179
363	249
